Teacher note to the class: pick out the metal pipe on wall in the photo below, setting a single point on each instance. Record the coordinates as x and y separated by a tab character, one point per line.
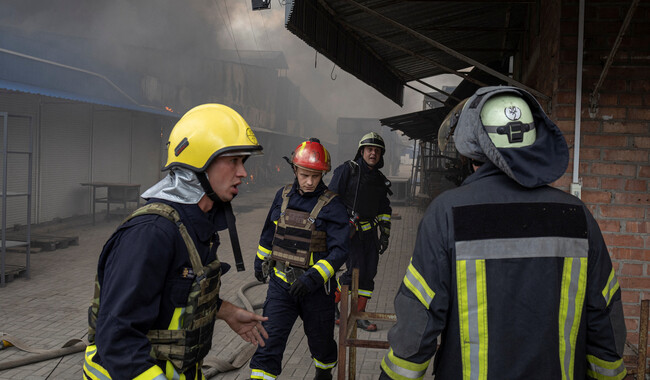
576	186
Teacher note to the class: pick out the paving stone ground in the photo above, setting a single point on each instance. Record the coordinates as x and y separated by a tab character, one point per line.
50	308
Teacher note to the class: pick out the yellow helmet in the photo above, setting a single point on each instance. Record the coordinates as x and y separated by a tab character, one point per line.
207	131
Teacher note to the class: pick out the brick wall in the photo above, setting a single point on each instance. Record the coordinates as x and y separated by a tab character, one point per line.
615	142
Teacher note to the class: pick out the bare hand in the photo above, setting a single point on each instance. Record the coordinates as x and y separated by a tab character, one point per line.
248	325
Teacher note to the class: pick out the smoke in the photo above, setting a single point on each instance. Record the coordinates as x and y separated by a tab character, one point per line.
345	96
202	28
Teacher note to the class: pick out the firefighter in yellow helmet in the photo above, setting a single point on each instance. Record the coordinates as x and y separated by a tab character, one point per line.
158	278
512	273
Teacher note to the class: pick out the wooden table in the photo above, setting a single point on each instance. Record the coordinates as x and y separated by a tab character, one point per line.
115	193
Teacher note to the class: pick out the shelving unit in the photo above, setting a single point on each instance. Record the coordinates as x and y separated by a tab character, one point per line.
7	194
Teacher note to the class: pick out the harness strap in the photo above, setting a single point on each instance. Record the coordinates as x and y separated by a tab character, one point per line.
323	200
285	198
170	213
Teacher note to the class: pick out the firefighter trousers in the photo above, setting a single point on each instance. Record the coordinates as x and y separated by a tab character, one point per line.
317	313
364	254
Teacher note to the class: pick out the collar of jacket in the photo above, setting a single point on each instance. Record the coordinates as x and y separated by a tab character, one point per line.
485	170
205	225
317	191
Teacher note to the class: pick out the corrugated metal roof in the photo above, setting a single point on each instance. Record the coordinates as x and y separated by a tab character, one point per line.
386	56
30	89
424	125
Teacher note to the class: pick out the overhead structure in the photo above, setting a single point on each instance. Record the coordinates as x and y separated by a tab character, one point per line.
388	44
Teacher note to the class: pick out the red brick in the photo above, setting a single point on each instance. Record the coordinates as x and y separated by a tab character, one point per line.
630	99
615	169
632	198
590	182
621	240
640	86
630	296
588	154
641	142
590	196
625	155
566	97
633	338
632	310
630	254
624	127
630	269
634	283
637	227
631	324
638	114
612	183
604	140
609	225
644	171
590	126
566	126
564	111
563	181
636	185
613	85
612	112
625	212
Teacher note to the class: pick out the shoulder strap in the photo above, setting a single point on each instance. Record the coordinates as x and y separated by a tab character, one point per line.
170	213
323	200
285	198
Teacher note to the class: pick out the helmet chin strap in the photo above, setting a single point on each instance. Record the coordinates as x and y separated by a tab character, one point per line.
230	219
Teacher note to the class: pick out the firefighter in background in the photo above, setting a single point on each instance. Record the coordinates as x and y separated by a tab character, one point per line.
513	273
303	243
365	191
157	286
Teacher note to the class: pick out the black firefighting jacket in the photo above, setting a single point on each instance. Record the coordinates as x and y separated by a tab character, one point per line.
332	219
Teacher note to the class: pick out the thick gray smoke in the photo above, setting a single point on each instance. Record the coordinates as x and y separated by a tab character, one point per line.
202	28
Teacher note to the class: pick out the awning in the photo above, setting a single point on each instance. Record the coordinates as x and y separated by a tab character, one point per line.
424	125
30	89
387	44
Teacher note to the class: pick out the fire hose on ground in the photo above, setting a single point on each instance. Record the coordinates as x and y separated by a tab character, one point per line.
211	367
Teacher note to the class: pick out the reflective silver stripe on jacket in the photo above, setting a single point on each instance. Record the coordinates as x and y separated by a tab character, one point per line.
521	248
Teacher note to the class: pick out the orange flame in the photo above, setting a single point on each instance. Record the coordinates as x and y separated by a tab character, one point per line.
169	109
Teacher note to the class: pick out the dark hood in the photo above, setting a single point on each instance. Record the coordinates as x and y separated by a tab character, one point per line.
535	165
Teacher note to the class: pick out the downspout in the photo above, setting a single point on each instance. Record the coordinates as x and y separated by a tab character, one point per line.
576	184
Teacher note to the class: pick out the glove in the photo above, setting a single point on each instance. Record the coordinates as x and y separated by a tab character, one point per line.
383	243
299	289
259	275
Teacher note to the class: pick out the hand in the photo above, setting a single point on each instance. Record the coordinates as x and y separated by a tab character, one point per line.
248	325
259	275
383	243
299	289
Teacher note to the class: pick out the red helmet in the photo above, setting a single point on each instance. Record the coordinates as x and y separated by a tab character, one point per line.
312	155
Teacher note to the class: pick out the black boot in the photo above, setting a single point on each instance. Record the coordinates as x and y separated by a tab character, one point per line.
323	374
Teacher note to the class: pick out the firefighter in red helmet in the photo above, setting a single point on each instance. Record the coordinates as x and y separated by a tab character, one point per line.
303	243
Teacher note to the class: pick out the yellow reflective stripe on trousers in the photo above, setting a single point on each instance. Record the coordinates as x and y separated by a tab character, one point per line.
472	312
325	269
604	370
611	287
153	373
418	286
259	374
321	365
574	283
402	369
365	226
263	253
92	369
